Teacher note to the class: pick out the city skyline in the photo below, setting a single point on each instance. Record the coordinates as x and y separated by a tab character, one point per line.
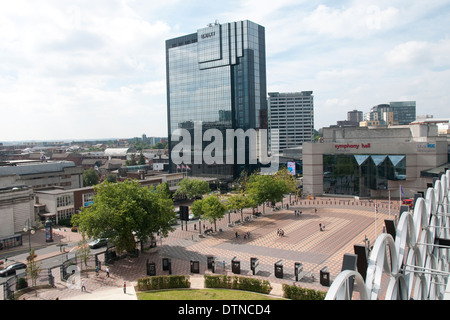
82	70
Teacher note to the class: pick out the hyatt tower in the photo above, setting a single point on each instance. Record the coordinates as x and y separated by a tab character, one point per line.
217	76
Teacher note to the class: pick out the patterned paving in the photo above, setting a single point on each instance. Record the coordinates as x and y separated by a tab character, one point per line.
302	241
347	222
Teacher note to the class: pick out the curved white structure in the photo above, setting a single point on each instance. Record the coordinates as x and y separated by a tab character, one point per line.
411	266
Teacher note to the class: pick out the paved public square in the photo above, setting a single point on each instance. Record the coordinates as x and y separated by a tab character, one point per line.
345	222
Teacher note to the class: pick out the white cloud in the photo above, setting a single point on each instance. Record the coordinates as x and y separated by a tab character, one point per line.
355	21
413	54
73	68
91	69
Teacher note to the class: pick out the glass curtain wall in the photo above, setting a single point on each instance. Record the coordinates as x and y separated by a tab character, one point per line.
358	174
216	76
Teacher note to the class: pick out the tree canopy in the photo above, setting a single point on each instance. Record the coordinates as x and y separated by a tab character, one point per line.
90	177
239	202
209	208
272	188
192	188
124	211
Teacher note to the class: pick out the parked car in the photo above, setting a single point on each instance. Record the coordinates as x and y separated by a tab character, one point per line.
98	243
11	269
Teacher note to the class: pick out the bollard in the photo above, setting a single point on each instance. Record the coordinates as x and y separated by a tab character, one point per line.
325	277
279	269
235	266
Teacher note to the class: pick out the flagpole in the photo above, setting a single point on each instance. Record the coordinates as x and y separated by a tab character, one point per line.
389	192
375	229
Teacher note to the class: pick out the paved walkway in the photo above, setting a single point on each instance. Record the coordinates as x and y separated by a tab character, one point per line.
346	223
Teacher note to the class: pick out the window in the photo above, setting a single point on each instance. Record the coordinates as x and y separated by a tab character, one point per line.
64	201
358	174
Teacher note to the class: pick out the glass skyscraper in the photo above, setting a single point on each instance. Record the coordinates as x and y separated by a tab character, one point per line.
217	76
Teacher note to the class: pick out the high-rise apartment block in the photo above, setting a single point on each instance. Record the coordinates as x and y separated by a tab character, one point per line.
404	112
216	75
355	116
292	114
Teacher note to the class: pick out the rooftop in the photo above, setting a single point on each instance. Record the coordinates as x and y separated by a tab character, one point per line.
35	168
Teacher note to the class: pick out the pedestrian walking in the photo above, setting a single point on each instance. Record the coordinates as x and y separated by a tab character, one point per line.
223	265
107	272
83	286
124	287
96	270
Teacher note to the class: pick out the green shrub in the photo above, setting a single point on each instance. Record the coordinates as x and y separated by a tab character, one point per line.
237	283
163	282
298	293
66	222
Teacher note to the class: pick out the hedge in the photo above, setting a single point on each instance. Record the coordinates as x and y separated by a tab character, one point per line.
163	282
237	283
297	293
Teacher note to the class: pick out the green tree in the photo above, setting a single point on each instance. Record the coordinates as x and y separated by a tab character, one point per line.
209	208
131	161
33	268
83	250
160	145
165	188
192	188
262	188
141	160
124	211
90	177
197	208
283	175
111	178
239	202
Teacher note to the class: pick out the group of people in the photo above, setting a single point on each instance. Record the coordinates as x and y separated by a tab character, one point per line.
280	232
246	235
297	212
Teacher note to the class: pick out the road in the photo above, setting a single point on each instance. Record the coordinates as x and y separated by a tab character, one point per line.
53	253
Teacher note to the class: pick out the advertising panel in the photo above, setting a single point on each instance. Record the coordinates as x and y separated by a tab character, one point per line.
291	167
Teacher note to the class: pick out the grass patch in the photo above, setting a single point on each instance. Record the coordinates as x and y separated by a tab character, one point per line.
202	294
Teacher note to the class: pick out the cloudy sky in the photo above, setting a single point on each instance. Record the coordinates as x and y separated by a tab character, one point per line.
96	69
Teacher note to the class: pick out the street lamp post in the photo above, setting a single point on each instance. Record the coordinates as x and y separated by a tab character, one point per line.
30	230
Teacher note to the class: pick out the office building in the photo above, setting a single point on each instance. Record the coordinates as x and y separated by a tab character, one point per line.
403	113
293	115
216	75
355	116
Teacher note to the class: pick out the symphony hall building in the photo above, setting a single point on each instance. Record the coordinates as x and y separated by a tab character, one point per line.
399	161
